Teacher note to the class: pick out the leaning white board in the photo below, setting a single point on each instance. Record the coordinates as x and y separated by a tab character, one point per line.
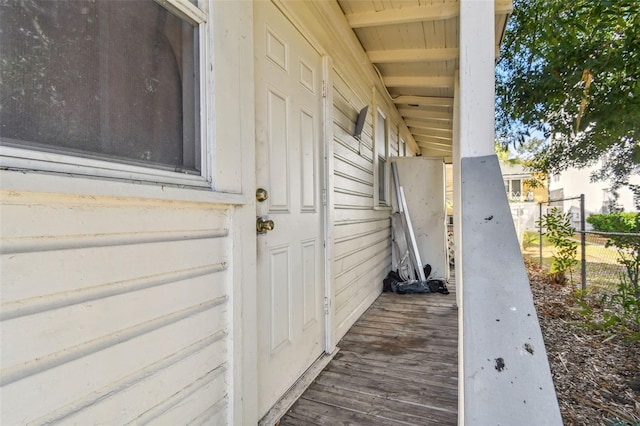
424	187
413	247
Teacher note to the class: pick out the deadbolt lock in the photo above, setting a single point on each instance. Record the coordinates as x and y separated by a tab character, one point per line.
261	194
263	225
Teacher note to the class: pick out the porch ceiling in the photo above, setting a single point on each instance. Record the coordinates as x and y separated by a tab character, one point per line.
414	44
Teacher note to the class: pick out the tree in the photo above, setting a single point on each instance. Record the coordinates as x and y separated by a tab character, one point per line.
570	69
524	154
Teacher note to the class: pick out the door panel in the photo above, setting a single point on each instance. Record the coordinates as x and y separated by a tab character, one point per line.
310	282
308	161
290	257
278	141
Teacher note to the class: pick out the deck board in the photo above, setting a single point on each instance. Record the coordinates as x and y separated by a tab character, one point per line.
398	365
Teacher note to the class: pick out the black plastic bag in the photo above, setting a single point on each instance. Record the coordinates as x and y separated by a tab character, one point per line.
394	283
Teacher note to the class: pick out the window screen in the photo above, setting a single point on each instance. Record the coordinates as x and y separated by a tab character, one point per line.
103	79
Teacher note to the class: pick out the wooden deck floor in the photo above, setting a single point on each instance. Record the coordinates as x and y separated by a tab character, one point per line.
398	365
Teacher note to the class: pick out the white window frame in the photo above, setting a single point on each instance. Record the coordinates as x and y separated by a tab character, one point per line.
26	159
378	203
511	194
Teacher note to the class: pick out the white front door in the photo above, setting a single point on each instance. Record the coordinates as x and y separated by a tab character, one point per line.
289	167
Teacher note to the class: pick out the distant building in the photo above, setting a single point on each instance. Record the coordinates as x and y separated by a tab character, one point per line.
599	197
518	184
523	195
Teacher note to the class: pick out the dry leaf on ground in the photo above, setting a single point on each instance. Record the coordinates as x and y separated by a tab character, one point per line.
597	379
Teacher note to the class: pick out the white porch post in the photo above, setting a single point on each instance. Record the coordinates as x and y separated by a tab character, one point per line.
504	375
474	107
457	198
473	130
477	78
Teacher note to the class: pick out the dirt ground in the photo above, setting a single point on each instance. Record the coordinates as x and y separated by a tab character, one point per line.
597	378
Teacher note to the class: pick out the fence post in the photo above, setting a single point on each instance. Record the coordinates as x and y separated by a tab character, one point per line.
583	242
540	230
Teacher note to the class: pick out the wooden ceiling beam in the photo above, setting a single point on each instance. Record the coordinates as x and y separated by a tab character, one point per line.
435	12
430	12
423	124
425	114
423	101
438	144
445	82
431	138
446	157
432	141
442	134
412	55
435	148
427	143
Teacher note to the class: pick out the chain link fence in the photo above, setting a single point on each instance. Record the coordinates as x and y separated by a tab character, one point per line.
601	262
604	270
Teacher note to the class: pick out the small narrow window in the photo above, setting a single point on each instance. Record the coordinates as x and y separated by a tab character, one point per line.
108	80
382	156
382	165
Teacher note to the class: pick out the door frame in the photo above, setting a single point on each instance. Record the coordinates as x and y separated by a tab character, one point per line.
327	197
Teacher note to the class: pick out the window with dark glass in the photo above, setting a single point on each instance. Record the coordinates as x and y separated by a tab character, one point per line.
114	80
381	152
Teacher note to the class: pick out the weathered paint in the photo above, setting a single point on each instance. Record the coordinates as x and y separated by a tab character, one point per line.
506	378
119	311
128	301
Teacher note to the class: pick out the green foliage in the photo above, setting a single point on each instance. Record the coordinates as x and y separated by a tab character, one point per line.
530	239
623	311
628	246
569	69
614	314
616	222
524	154
617	422
559	232
529	149
584	307
503	154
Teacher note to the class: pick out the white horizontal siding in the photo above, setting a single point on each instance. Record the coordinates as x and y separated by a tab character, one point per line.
361	234
113	309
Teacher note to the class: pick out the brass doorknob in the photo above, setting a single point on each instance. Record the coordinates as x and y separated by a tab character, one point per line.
263	225
261	194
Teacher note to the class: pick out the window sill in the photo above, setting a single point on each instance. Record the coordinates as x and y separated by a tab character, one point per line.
31	160
34	171
70	184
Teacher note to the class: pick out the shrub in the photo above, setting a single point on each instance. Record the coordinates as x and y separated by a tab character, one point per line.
559	232
628	246
625	303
